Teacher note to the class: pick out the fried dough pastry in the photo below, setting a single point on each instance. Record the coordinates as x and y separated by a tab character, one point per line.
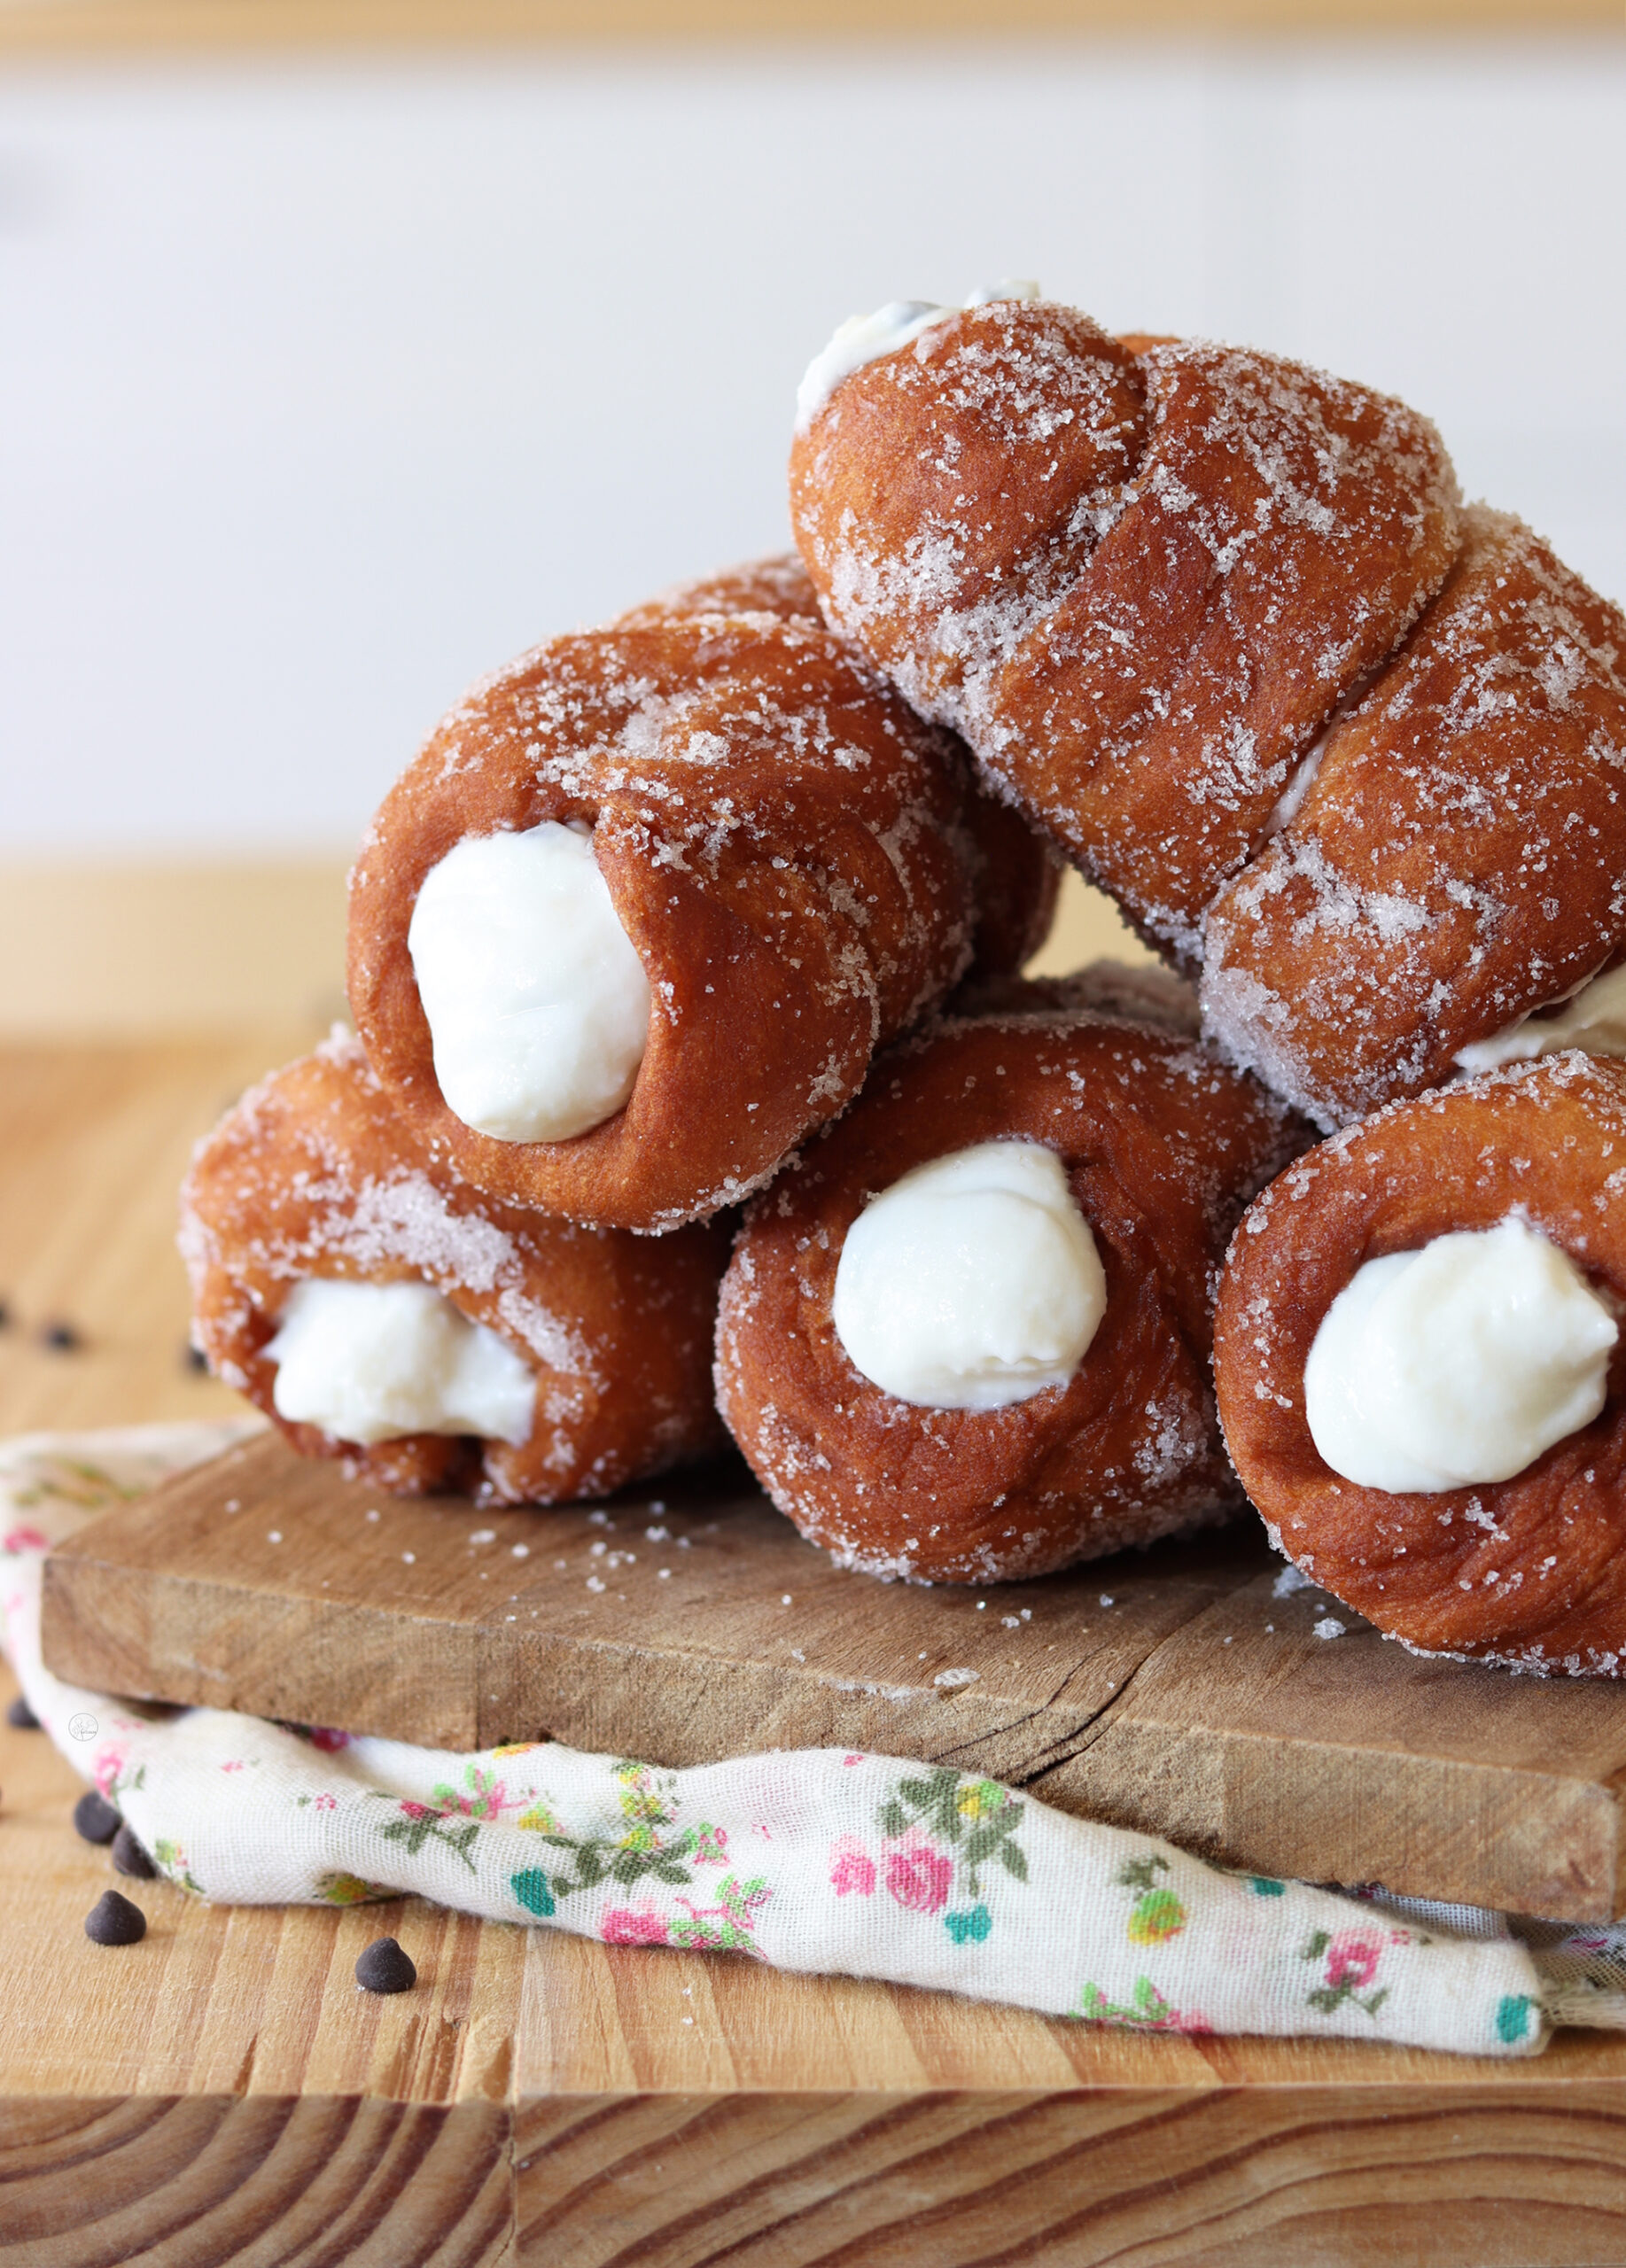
1125	992
1494	1217
779	857
1019	872
1456	859
590	1347
1138	582
1074	1160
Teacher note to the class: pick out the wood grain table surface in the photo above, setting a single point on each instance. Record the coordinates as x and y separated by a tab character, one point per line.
224	2093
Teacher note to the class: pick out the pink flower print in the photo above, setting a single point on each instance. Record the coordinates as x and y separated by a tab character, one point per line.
919	1877
712	1846
852	1870
106	1766
1352	1960
852	1759
329	1739
326	1802
27	1538
416	1811
232	1764
624	1927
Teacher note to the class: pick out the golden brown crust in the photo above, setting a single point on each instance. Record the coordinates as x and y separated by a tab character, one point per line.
1019	870
1137	993
1457	861
778	585
1162	1146
784	845
1529	1571
1138	583
313	1175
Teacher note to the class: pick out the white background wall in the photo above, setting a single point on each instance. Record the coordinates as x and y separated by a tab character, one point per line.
324	387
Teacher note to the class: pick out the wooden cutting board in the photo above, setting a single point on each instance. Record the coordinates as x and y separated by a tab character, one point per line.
1187	1690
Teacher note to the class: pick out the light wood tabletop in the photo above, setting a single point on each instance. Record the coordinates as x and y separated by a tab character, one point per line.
222	2093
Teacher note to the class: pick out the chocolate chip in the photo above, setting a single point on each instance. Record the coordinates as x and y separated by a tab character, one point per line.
383	1968
193	1358
21	1718
61	1337
128	1856
95	1818
5	1314
113	1921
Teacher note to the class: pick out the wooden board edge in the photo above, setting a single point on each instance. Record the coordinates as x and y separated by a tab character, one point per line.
1242	1799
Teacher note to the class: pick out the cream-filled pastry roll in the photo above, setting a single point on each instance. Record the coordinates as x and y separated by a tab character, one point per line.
380	1309
966	1335
1221	624
637	918
1419	1366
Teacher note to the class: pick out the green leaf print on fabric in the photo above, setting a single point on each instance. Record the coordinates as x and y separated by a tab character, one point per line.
70	1480
598	1861
1158	1914
171	1860
1147	2011
727	1926
418	1824
977	1819
352	1889
648	1850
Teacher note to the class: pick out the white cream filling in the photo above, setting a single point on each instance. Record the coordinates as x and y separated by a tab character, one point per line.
1457	1363
1593	1018
866	338
972	1282
370	1361
538	1005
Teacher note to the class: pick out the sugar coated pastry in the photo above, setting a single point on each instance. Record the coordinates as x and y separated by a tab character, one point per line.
1420	1371
1138	582
1019	871
966	1334
1454	861
379	1308
1219	622
1137	993
638	916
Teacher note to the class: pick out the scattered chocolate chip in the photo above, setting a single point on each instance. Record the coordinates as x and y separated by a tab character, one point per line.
113	1921
128	1856
61	1337
193	1358
5	1314
95	1818
21	1718
383	1968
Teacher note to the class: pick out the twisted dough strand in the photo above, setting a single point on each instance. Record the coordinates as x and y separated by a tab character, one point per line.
1138	584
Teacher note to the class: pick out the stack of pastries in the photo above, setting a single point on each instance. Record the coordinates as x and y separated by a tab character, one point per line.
695	1081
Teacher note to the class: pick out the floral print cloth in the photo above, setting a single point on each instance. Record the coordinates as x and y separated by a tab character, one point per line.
816	1860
